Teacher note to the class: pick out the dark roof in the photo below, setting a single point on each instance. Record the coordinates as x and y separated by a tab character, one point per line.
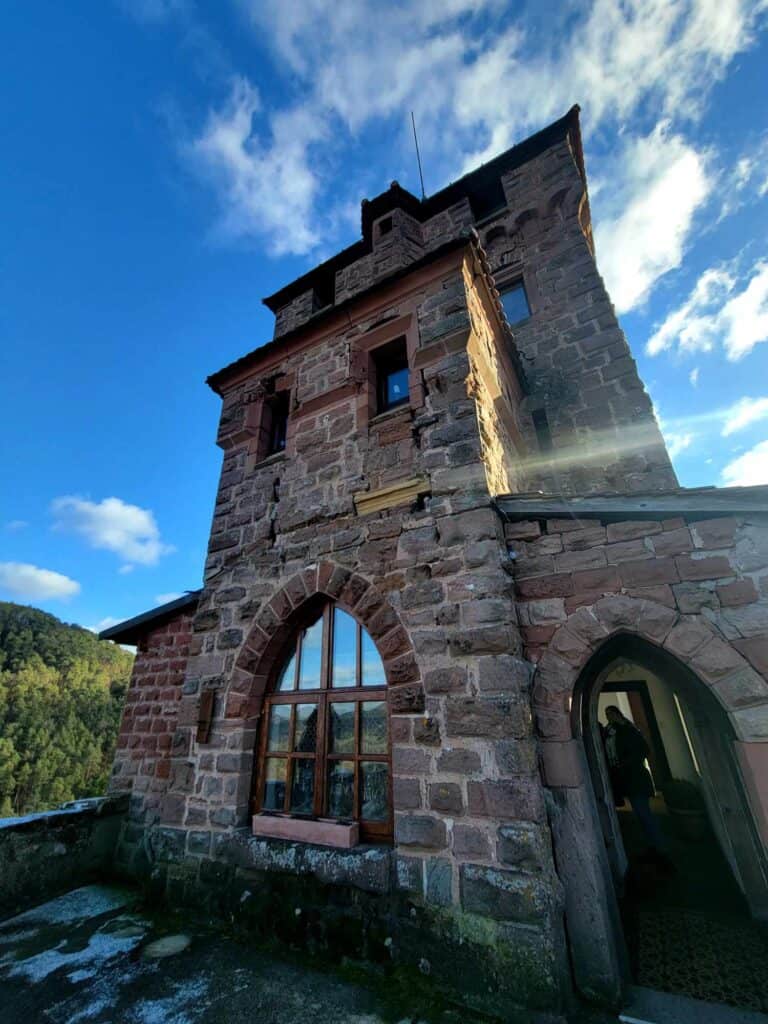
396	196
215	381
132	630
691	502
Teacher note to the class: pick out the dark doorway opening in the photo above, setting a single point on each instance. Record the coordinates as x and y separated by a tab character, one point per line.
692	889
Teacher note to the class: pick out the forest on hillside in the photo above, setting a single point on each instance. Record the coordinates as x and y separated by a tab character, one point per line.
61	697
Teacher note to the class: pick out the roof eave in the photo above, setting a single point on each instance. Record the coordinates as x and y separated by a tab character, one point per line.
131	631
217	381
694	502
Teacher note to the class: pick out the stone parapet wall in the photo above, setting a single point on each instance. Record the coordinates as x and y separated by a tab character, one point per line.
42	855
343	905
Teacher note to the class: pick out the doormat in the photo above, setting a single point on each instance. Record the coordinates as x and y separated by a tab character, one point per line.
704	956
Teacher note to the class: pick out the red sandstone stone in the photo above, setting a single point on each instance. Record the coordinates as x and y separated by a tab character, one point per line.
707	568
737	593
648	572
755	650
714	533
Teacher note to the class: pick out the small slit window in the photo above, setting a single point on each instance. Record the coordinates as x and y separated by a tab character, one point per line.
276	410
514	299
325	747
391	367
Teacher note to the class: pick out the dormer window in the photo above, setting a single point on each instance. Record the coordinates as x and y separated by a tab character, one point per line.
391	365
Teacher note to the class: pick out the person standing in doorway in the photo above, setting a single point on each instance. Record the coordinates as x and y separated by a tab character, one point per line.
627	751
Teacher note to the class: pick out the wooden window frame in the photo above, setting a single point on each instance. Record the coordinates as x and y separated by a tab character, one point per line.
390	358
323	697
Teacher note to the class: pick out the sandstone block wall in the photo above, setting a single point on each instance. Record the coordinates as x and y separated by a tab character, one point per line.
708	578
147	737
582	374
428	579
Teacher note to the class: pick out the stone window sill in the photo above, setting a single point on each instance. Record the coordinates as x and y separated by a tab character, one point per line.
403	411
269	461
321	832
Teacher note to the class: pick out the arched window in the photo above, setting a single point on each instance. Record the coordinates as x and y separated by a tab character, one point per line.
324	744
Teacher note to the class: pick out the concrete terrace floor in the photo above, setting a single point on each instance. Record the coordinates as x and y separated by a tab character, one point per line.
79	958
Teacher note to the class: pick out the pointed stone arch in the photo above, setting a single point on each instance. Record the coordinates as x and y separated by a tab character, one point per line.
562	684
276	621
689	638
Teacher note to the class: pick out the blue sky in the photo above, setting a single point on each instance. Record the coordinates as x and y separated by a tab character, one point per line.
167	163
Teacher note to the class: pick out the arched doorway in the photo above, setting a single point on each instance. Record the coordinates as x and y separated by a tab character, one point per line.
690	890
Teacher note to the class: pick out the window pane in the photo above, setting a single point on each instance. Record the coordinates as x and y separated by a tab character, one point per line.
397	386
288	675
374	797
305	736
274	784
374	727
515	303
303	785
311	657
344	649
341	727
279	727
373	668
341	784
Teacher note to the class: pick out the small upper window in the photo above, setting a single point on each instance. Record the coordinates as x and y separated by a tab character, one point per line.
391	362
487	200
278	426
514	299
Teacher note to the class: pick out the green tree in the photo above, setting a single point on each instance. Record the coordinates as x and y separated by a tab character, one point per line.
61	697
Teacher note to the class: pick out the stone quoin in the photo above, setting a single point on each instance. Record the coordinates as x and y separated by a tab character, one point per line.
429	522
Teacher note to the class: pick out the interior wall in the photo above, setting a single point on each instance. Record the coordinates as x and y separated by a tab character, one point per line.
681	763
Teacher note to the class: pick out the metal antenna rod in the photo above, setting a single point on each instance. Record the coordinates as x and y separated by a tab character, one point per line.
418	156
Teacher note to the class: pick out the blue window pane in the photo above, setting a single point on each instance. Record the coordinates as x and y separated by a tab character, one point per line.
515	303
373	669
397	386
311	657
344	649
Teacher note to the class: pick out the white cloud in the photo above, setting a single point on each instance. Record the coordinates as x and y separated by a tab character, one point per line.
693	377
748	178
743	413
349	71
16	525
748	469
677	443
265	182
104	623
659	184
29	581
165	598
112	525
125	569
721	309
